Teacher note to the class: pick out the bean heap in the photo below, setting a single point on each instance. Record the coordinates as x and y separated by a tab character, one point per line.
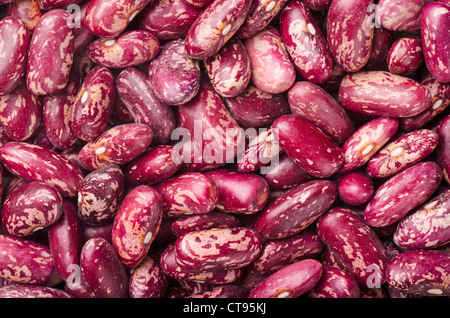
225	148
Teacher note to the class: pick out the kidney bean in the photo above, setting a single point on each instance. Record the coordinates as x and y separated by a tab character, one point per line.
398	15
190	192
402	153
256	108
305	42
100	195
14	41
402	193
335	283
380	93
230	69
54	4
276	254
443	149
174	77
312	102
102	269
434	20
28	262
440	99
129	49
355	188
168	19
148	279
32	291
291	281
355	245
26	10
215	25
366	141
117	145
51	48
20	113
405	56
296	209
225	291
135	91
271	68
199	250
218	277
382	38
82	35
318	4
94	103
350	33
210	220
285	175
152	166
239	192
427	226
37	163
108	19
420	272
308	146
65	240
30	208
92	231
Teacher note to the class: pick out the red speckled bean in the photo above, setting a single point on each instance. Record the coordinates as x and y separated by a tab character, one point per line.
37	163
226	291
211	220
28	262
32	291
100	195
153	166
20	113
379	93
443	148
129	49
366	141
108	19
148	279
51	49
94	103
402	193
118	145
31	207
276	254
335	283
14	42
190	192
296	209
136	224
305	42
399	15
135	91
200	250
426	227
308	146
382	38
65	240
198	3
435	22
229	70
355	244
174	77
402	153
168	19
102	269
215	25
312	102
355	188
53	4
405	56
26	10
350	33
420	272
256	108
318	4
291	281
239	192
57	113
271	68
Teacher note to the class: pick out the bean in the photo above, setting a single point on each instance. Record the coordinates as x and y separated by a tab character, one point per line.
335	283
398	15
355	188
405	56
211	220
148	280
31	291
26	10
443	151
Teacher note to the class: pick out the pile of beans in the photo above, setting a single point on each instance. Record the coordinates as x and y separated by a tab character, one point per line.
225	148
